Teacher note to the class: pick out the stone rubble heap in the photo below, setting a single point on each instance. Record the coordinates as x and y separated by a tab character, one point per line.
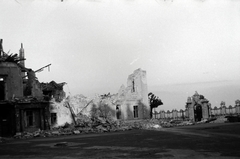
100	125
85	125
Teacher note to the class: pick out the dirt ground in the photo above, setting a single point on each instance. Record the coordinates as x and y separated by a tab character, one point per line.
196	141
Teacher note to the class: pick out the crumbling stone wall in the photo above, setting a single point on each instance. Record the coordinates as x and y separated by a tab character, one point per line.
33	87
62	112
129	103
134	98
11	74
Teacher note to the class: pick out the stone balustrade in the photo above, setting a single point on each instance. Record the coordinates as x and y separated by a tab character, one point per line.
183	114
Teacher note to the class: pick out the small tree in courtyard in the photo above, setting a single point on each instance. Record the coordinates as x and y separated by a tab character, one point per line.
154	102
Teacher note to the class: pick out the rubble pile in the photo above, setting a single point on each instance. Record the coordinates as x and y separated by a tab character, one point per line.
97	123
89	125
4	139
161	123
84	125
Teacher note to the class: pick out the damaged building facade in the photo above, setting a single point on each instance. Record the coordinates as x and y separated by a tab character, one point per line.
23	105
131	102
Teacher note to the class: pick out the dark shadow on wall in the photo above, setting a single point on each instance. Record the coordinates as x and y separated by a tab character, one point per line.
129	113
119	112
102	110
144	110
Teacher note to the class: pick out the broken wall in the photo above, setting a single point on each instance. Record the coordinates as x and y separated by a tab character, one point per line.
134	98
10	74
33	87
129	103
63	114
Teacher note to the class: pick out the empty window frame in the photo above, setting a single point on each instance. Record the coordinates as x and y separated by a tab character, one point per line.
135	111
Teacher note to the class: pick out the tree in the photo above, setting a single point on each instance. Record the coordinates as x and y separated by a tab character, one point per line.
154	102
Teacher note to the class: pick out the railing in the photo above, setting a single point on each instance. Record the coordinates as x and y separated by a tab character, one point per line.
182	114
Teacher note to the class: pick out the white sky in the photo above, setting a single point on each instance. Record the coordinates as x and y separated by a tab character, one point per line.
93	45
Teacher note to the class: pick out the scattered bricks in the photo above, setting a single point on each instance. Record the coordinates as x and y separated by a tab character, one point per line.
76	132
67	129
36	134
2	139
55	133
186	123
101	120
100	125
28	136
66	133
156	126
18	135
124	128
167	125
101	128
47	134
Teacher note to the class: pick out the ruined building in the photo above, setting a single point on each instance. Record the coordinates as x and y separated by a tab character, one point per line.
23	105
131	102
198	107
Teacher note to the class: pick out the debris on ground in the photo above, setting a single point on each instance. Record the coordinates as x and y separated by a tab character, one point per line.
233	118
97	124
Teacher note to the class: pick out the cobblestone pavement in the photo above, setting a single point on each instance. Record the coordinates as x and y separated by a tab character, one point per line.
197	141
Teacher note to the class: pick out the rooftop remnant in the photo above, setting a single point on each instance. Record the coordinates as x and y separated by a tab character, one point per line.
22	100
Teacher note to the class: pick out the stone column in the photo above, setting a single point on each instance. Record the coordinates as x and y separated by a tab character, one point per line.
205	113
191	112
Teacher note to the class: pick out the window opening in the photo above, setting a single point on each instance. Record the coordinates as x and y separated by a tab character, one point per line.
135	111
133	86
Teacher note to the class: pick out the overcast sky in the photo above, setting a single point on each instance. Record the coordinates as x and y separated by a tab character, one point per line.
93	45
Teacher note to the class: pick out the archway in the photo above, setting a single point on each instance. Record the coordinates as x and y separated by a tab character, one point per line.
198	113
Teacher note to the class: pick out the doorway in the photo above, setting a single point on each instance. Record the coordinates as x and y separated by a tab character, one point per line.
198	113
118	111
7	118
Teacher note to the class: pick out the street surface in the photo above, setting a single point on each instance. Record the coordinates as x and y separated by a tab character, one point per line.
197	141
